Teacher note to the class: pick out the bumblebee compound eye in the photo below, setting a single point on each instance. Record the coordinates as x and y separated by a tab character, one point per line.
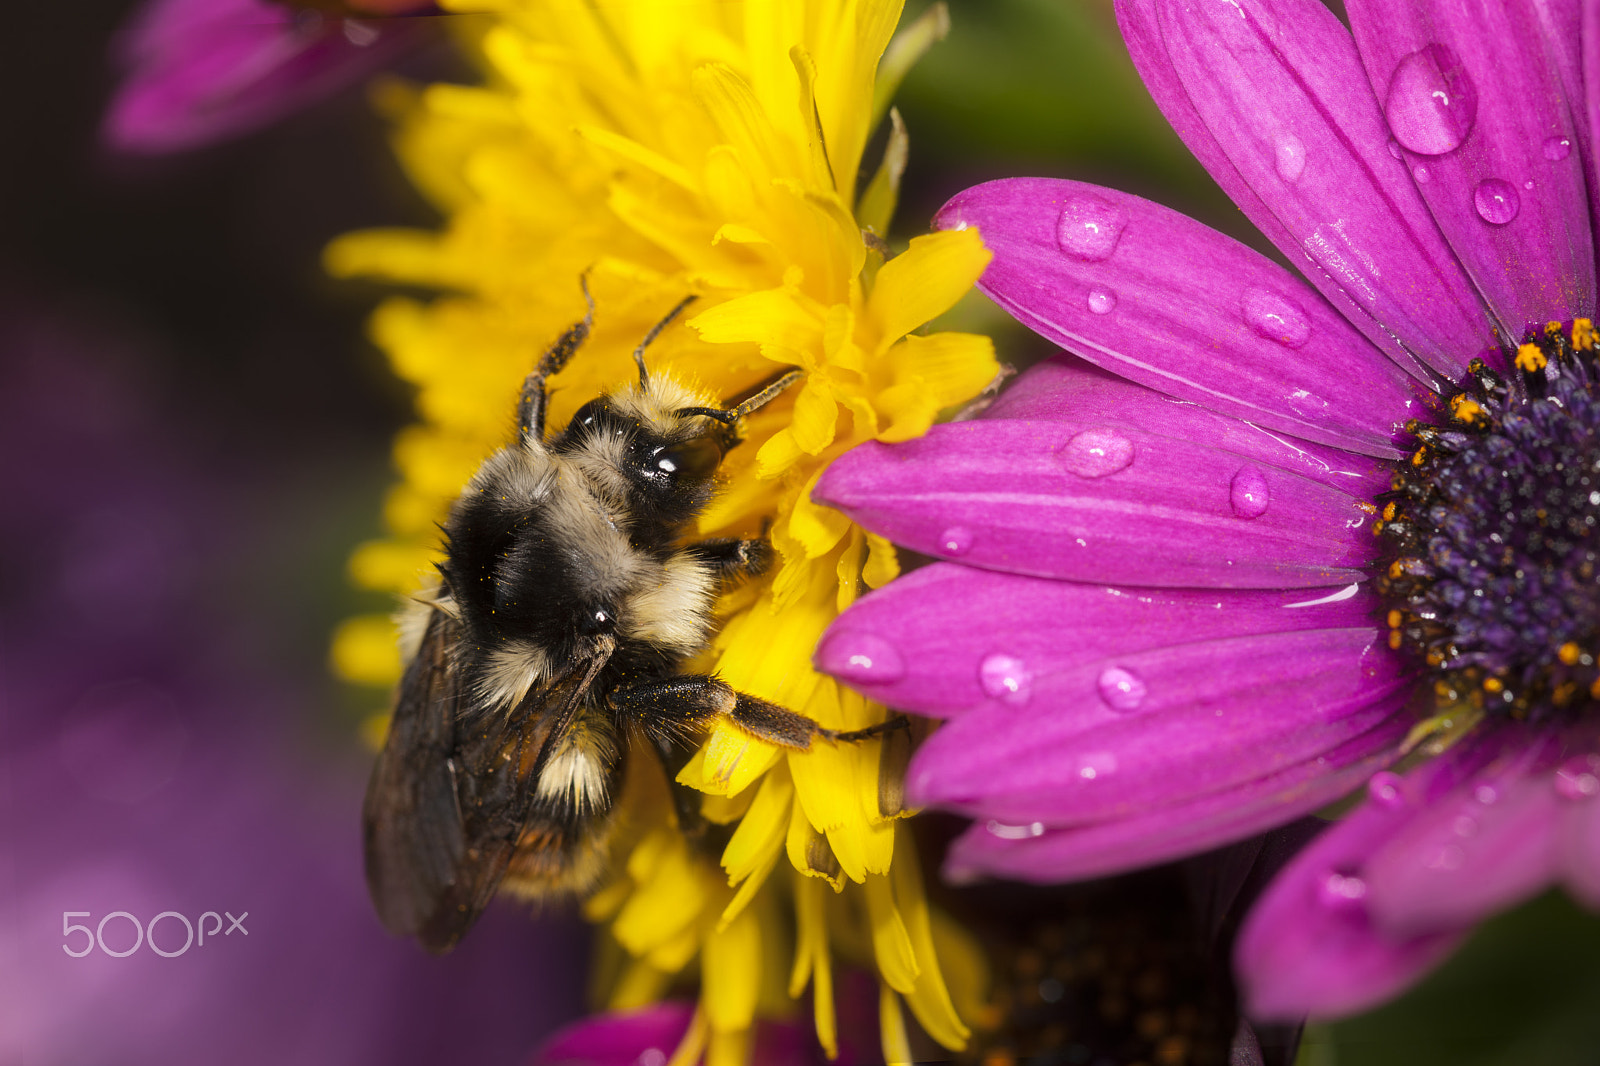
691	460
589	416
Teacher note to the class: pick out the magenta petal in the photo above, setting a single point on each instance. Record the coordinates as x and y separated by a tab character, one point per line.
1308	946
1093	270
1088	502
1486	845
1063	389
1032	852
203	70
1577	781
1271	95
936	640
622	1038
1473	95
1137	731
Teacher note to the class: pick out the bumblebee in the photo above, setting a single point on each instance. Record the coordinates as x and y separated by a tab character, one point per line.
569	600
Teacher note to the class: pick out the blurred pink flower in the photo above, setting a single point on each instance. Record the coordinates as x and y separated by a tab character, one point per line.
200	71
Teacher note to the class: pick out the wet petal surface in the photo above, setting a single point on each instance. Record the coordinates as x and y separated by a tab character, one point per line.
1271	96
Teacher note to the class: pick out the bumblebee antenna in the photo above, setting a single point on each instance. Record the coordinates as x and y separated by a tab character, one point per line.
730	416
655	331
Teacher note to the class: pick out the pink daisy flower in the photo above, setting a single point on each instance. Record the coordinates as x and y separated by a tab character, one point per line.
1164	620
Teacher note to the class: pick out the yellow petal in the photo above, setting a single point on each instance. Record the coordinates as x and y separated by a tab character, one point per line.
762	830
774	319
364	650
666	902
883	564
925	281
809	851
929	1000
640	985
635	152
730	967
729	761
892	1029
817	528
891	943
816	416
812	961
953	366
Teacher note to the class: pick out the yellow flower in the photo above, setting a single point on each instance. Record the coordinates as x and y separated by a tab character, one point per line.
709	148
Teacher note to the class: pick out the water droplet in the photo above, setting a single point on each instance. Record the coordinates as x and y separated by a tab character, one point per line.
1421	174
1006	678
1497	201
1387	789
1341	891
1290	157
957	540
1096	765
1097	452
1465	825
1579	777
1276	317
1089	228
1122	690
1432	102
1394	149
1485	794
1557	148
1102	302
1014	832
1248	493
860	657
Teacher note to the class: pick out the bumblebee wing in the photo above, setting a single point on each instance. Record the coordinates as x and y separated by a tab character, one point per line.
411	822
496	760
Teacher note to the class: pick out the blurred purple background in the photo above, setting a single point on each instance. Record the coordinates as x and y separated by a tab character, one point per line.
193	435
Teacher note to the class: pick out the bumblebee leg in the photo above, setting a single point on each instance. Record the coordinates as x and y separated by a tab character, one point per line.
682	706
731	559
531	401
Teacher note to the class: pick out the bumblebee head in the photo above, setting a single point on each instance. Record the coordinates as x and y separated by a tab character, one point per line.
657	442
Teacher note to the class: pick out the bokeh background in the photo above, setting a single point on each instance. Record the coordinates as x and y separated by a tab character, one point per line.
195	434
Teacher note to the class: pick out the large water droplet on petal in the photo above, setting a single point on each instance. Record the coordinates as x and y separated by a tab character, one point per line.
865	658
1557	148
1097	452
1387	789
1341	891
1579	777
1289	157
1102	302
1497	201
1248	493
1276	317
1006	678
1089	228
1432	102
956	541
1122	690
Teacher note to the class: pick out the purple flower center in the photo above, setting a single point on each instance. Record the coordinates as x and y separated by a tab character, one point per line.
1493	582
